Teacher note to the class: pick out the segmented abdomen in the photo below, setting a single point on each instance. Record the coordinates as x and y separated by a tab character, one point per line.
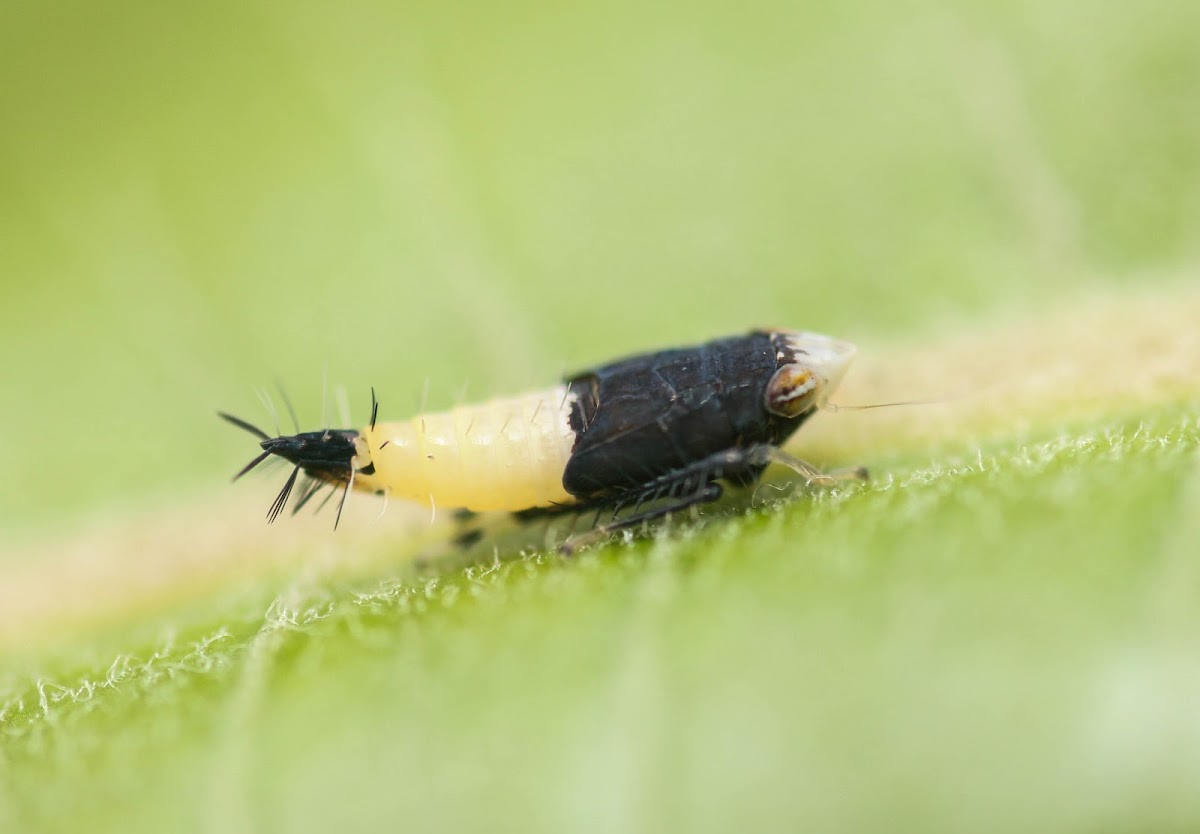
505	454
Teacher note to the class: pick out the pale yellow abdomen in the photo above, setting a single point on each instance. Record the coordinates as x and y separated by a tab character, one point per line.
505	454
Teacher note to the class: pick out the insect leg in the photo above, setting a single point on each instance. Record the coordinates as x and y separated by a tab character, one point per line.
467	538
814	476
556	510
695	484
707	493
682	488
468	528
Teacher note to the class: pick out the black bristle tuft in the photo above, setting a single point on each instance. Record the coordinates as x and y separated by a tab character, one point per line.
252	464
307	490
242	424
281	499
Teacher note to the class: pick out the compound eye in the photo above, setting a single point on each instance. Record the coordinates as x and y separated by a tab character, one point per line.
792	391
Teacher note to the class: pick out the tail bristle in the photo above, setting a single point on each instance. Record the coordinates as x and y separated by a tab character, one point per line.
281	499
242	424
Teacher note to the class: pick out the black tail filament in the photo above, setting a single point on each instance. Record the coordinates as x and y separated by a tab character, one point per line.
325	458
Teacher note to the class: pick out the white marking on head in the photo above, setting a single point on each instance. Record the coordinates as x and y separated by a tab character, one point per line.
829	358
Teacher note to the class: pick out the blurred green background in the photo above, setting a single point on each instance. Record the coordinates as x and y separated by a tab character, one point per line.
196	199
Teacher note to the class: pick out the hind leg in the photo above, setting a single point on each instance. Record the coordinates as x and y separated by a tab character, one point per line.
695	484
685	487
706	494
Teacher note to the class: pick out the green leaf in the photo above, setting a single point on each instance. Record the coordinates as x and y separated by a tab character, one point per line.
999	205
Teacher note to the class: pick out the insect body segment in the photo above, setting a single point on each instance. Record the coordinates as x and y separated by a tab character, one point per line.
500	455
645	416
659	429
